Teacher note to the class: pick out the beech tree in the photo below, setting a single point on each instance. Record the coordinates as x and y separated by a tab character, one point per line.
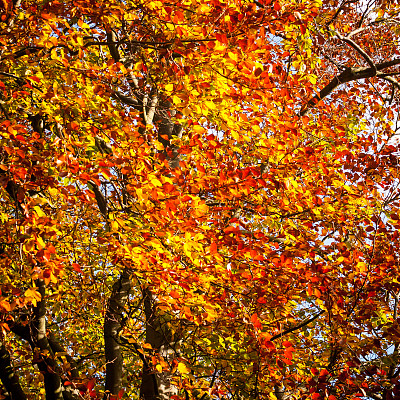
199	199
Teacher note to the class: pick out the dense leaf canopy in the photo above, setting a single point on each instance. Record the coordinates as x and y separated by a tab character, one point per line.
199	199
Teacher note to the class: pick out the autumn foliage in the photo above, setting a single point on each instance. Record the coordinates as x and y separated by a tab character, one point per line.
199	199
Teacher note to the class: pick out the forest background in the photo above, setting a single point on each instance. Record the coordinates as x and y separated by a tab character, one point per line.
199	199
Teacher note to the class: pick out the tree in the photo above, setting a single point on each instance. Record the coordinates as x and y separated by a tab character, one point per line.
199	200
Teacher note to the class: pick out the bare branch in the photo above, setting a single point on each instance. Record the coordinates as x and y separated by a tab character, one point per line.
348	75
339	10
296	327
26	51
393	81
129	101
56	347
387	64
356	47
101	200
112	44
47	365
366	13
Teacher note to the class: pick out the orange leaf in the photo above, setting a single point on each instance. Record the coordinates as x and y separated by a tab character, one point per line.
174	294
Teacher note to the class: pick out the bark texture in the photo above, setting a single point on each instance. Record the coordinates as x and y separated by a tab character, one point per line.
46	363
112	327
157	385
8	377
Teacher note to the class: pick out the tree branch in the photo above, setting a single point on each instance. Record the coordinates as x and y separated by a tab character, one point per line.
112	43
356	47
26	331
100	199
8	377
57	348
112	325
156	386
295	328
393	81
46	364
348	75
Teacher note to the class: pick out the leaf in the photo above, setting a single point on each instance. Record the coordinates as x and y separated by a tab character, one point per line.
39	211
159	368
183	369
255	320
5	305
214	185
198	129
156	182
33	296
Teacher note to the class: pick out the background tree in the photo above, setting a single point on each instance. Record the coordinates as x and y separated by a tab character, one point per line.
199	200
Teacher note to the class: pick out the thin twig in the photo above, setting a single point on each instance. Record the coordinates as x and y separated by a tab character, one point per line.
295	328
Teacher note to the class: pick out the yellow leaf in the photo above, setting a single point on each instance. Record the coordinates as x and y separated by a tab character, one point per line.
219	46
176	99
33	296
183	369
235	135
200	210
210	105
156	182
40	201
159	146
232	56
362	266
39	211
198	129
114	226
347	187
159	368
40	243
169	87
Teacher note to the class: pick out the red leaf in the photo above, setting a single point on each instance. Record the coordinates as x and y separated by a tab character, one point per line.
256	322
90	385
258	72
76	267
269	345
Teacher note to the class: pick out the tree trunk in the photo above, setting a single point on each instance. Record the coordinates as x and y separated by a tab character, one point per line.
8	377
157	385
112	327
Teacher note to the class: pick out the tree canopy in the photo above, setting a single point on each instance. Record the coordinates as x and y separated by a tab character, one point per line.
199	199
